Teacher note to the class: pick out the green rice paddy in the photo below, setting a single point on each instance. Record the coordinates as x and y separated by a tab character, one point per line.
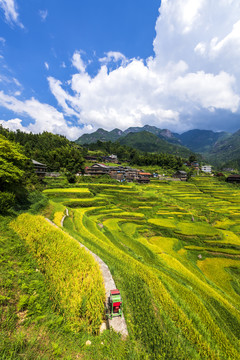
174	252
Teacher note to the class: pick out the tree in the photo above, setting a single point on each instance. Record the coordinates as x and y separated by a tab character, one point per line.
12	162
192	158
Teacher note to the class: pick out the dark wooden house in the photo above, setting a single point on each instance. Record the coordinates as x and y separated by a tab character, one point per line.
40	169
97	169
180	174
233	178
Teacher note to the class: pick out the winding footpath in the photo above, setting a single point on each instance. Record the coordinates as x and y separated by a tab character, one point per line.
118	324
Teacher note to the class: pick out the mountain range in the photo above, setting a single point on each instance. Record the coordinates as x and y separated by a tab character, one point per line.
220	148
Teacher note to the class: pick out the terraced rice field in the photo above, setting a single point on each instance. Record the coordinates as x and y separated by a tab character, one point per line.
174	252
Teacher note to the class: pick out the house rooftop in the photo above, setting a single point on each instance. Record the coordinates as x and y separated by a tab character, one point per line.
37	163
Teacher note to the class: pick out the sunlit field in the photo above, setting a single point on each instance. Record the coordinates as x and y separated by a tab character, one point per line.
174	251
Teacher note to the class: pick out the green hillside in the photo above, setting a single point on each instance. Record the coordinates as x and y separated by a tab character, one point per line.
100	134
164	134
148	142
226	153
201	141
114	135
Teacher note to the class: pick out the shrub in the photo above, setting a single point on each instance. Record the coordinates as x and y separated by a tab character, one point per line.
6	201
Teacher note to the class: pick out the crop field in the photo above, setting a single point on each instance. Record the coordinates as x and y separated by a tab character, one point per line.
174	251
74	278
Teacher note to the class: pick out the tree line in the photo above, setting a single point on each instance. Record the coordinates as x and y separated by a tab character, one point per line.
135	157
56	151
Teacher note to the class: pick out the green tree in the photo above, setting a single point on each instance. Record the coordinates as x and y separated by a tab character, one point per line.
12	164
192	158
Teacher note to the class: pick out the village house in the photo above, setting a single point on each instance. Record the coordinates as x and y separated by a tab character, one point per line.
91	158
206	168
40	169
180	174
120	173
144	177
228	169
193	164
111	158
97	169
233	178
117	174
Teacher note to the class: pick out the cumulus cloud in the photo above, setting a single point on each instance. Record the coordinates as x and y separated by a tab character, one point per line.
14	124
10	11
63	97
77	62
44	117
194	69
114	56
190	71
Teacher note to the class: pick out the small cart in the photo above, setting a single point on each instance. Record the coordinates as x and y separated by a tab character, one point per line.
114	304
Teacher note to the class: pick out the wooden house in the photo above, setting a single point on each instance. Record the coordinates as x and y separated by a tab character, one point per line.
144	177
111	158
180	174
91	158
97	169
233	178
40	169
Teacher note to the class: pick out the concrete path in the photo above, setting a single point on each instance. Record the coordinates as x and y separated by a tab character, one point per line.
118	324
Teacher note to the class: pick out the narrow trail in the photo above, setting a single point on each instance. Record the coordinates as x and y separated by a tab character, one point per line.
118	324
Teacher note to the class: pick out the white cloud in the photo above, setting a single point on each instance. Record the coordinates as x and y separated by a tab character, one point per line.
46	65
62	97
77	62
113	56
194	68
14	124
43	14
16	82
10	11
188	72
45	117
2	40
208	91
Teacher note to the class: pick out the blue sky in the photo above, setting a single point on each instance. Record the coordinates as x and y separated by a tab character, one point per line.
70	67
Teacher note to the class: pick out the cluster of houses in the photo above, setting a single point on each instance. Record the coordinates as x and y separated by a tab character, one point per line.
195	165
120	173
126	173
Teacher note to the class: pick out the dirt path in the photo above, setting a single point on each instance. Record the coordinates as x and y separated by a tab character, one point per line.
118	324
